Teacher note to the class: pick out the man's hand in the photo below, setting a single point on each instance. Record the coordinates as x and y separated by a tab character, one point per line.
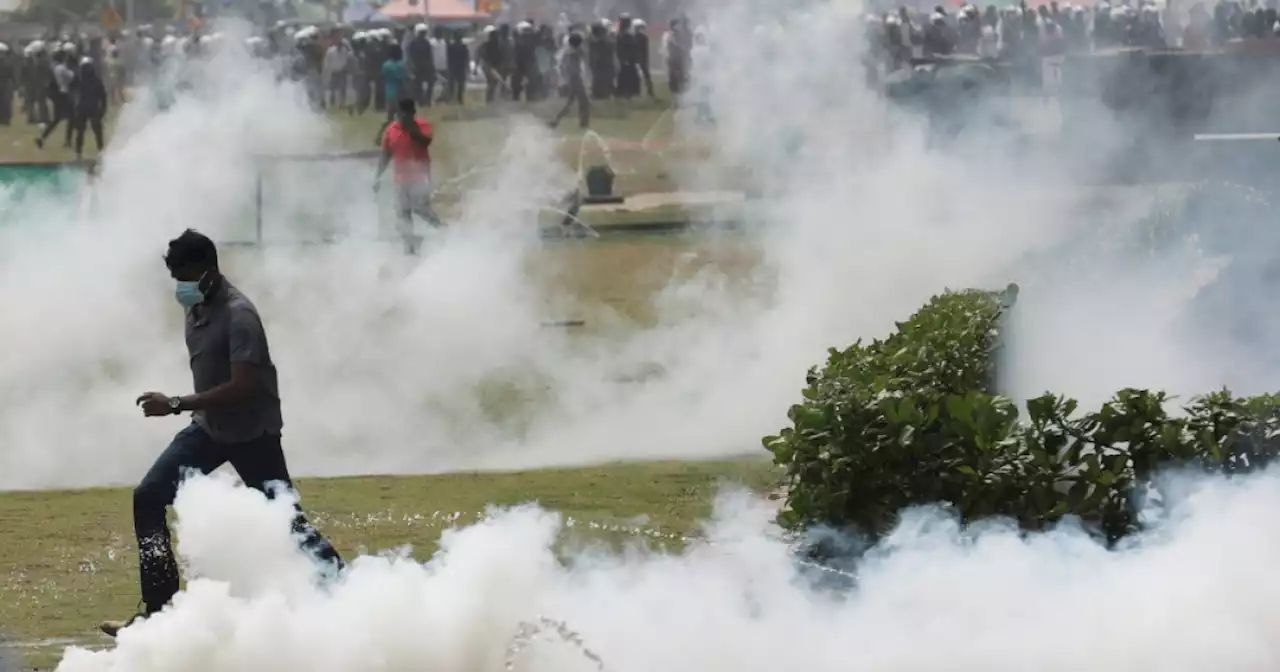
155	404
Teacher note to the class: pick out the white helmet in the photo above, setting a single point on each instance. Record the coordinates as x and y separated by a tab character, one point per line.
420	28
4	48
68	47
490	29
358	36
524	27
639	24
86	61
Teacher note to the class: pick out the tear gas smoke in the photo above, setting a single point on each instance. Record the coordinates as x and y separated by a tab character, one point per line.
385	368
381	364
1193	593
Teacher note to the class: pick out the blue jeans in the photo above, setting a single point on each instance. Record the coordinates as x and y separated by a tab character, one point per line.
259	463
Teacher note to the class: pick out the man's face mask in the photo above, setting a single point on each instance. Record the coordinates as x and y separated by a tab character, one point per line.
188	293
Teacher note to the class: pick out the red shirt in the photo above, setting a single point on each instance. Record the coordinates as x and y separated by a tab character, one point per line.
410	161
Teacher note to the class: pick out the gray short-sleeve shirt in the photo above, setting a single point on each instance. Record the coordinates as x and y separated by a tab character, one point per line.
224	329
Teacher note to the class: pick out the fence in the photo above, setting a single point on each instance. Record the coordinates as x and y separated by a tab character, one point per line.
307	195
324	178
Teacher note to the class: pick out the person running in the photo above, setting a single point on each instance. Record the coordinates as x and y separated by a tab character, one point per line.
61	94
406	143
235	417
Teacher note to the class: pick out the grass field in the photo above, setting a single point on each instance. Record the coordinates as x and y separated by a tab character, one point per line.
467	137
69	559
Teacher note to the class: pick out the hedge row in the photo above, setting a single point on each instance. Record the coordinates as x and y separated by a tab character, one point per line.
913	419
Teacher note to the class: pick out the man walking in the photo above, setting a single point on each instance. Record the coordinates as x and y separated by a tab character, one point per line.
336	70
235	417
407	142
90	105
573	83
61	94
422	65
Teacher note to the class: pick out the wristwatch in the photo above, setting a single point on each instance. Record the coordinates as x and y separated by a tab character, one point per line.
175	404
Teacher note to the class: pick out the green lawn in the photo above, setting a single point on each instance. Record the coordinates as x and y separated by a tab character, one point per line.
465	137
69	560
471	137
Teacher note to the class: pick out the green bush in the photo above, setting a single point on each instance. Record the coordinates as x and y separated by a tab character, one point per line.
913	419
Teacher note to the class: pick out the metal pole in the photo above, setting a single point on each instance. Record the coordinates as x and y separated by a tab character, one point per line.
257	205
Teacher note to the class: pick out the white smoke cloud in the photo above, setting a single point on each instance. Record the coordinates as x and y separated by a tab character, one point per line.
384	363
1192	593
393	366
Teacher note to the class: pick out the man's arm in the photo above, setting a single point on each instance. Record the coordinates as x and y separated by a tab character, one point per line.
415	132
383	162
248	351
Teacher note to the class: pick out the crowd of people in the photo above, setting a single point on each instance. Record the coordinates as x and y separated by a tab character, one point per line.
70	81
60	84
1025	32
363	70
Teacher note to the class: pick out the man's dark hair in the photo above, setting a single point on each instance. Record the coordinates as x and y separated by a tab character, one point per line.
395	53
407	109
192	248
575	40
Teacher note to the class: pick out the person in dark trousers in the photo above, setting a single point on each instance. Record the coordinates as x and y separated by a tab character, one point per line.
395	80
491	64
36	74
627	84
235	417
8	83
642	54
90	105
368	67
459	62
603	62
573	80
523	72
422	63
62	95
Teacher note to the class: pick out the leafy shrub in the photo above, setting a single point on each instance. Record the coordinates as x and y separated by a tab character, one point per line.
913	419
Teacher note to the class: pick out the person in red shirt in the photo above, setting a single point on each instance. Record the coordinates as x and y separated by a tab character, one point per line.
406	145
